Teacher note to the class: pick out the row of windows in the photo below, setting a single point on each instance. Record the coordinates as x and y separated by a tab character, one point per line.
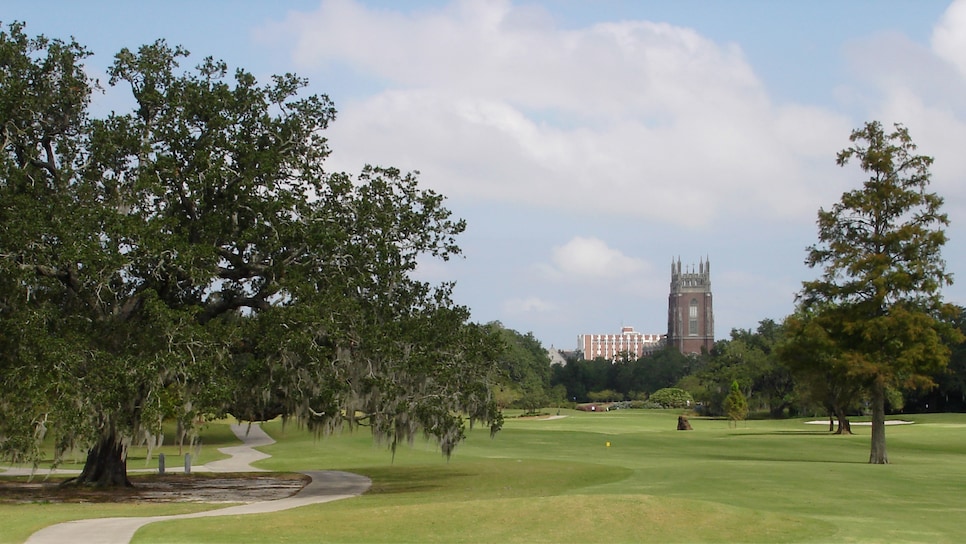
625	337
626	342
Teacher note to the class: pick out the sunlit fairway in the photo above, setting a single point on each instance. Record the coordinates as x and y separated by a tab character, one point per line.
558	481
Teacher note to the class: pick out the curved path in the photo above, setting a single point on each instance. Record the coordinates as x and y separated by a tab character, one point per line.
327	485
241	457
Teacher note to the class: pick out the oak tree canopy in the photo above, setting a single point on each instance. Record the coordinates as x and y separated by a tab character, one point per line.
191	257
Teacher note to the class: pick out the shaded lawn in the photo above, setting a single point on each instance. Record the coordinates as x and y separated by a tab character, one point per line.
213	435
19	521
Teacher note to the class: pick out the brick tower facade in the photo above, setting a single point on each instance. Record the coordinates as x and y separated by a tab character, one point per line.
690	314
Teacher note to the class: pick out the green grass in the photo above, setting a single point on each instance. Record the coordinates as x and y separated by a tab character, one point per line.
558	481
19	521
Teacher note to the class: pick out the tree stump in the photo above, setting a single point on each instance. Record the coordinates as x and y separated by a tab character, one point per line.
683	423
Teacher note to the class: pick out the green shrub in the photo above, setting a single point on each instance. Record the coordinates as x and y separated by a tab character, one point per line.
607	395
672	397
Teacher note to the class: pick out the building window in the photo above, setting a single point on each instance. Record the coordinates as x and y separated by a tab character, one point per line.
693	318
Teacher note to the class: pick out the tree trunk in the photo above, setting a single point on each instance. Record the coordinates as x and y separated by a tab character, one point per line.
777	412
106	466
877	455
830	409
844	426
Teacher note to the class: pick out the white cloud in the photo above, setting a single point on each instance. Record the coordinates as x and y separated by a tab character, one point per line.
949	36
594	269
501	106
525	306
923	88
940	133
492	100
585	258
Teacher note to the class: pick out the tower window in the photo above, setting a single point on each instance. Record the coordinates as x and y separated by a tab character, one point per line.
693	318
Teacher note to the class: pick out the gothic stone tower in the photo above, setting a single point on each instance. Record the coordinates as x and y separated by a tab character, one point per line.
690	317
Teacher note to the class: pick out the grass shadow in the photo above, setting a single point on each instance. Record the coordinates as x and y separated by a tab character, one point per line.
777	459
418	479
780	433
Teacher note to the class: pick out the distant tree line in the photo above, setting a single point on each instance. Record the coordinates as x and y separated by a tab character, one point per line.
623	379
753	359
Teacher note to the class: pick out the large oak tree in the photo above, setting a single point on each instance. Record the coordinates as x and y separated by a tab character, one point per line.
879	299
192	255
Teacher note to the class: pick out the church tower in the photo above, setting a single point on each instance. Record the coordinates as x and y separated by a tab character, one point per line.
690	317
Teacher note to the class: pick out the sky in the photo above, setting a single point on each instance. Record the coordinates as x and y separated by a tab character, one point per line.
589	145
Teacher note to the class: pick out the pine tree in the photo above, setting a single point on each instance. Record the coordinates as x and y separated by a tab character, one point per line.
736	405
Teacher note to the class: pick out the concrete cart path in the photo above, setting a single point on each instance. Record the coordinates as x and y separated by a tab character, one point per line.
241	457
327	485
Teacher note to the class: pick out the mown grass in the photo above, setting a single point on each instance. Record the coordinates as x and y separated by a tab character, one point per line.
559	481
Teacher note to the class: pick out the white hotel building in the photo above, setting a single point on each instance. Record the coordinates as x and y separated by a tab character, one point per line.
613	346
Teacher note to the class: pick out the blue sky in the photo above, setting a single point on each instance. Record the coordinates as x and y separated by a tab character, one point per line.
589	144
